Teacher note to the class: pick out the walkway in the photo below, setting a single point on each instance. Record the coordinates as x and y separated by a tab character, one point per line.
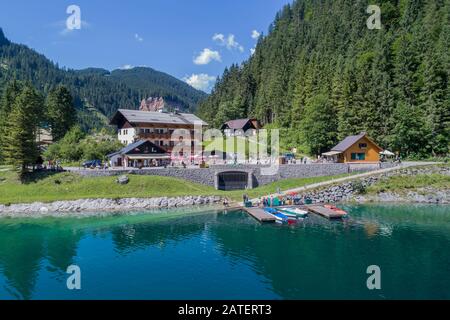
352	177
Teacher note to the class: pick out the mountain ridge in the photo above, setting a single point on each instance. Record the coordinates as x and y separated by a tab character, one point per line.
97	92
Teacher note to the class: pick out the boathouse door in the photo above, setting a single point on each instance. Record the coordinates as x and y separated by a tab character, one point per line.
232	180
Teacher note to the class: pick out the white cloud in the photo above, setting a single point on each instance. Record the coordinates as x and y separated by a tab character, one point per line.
138	38
218	37
229	42
200	81
206	56
66	31
255	34
126	67
252	51
129	66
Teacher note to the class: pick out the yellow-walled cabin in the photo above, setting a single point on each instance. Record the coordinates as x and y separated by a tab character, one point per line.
355	149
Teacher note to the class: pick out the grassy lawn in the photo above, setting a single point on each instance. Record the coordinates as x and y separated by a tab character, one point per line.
283	185
403	184
69	186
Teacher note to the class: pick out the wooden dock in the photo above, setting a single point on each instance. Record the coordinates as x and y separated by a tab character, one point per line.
260	215
325	212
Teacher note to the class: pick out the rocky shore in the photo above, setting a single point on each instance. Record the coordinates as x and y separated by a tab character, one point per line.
354	191
351	191
93	207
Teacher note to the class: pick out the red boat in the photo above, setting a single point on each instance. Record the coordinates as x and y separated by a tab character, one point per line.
336	209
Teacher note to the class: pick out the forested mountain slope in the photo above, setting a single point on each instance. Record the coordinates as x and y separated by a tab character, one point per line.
322	74
97	92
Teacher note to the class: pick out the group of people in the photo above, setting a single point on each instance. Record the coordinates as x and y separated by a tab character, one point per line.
282	200
52	166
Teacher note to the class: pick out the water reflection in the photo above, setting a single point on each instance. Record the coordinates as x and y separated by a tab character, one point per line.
315	259
128	238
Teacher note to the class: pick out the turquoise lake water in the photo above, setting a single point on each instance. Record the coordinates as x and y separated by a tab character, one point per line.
228	255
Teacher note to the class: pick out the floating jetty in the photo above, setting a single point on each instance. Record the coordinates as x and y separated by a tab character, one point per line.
325	212
260	215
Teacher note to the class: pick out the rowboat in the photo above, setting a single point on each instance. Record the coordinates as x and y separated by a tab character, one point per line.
281	217
336	209
294	212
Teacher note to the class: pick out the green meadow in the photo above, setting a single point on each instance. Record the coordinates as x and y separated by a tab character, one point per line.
46	187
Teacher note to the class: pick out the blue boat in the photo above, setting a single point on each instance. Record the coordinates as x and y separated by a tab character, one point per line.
294	212
278	215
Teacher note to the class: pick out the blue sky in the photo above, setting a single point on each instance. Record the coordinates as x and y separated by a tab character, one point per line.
192	40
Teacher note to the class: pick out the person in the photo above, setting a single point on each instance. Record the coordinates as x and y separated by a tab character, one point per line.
225	202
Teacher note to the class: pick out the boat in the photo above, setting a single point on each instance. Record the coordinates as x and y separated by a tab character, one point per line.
281	217
336	209
294	212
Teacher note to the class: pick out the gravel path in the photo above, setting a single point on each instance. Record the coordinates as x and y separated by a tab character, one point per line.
353	177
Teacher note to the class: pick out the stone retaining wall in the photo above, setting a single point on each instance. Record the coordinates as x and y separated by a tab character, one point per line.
208	176
350	191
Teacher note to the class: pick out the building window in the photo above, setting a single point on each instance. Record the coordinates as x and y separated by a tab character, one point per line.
147	130
359	156
363	145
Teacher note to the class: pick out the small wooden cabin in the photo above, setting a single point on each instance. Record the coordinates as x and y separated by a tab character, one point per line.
355	149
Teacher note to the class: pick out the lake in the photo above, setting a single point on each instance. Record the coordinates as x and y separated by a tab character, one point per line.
190	254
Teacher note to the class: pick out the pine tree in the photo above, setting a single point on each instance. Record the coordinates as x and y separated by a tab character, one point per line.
61	113
12	90
411	134
20	147
318	125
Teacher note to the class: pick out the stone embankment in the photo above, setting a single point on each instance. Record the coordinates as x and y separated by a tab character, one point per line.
356	190
93	207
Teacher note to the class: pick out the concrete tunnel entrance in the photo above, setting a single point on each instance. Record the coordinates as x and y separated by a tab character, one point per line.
234	180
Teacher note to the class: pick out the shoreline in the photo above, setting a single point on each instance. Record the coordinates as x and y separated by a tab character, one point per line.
107	207
102	206
336	192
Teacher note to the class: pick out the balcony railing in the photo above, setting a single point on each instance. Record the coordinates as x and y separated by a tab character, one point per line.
157	136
